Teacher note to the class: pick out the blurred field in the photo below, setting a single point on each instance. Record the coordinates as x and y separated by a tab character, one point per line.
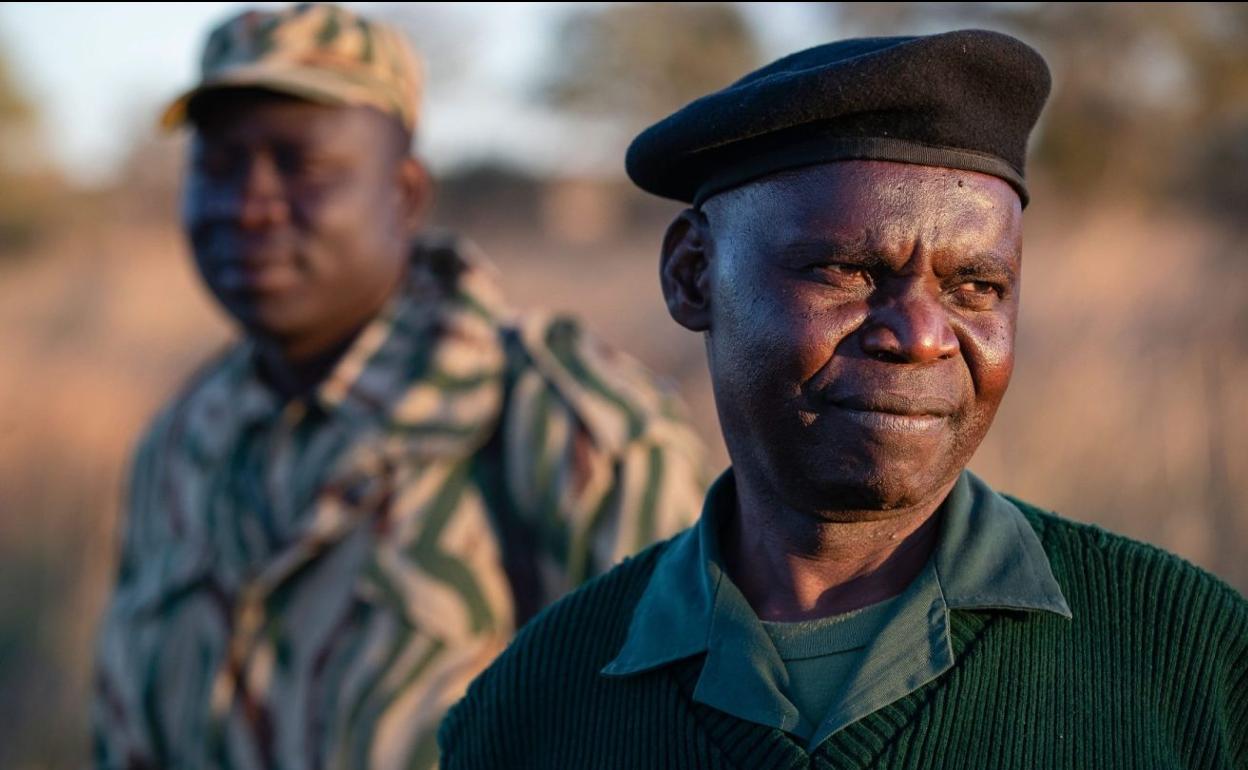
1128	408
1112	417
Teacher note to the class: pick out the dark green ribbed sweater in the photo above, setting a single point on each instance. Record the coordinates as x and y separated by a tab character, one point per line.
1151	673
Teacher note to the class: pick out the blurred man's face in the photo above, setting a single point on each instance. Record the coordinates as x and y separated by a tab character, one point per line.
298	215
861	328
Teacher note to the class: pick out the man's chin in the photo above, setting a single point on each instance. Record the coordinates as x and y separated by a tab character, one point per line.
274	316
867	495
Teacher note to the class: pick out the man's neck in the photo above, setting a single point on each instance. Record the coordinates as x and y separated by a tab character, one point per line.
294	368
295	377
796	565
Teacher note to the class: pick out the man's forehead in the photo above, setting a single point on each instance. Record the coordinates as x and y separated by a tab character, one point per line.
868	188
873	208
879	176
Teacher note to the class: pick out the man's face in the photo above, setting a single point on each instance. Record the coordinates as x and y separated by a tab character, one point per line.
860	320
297	214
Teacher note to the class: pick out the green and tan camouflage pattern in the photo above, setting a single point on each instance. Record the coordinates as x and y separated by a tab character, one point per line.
312	585
314	51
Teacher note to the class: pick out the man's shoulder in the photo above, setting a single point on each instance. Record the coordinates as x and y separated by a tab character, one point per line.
598	614
212	382
1104	572
560	652
614	395
552	359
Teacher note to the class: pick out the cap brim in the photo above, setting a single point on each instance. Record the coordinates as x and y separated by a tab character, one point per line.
319	87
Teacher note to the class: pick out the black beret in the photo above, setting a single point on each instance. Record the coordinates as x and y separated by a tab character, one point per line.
966	99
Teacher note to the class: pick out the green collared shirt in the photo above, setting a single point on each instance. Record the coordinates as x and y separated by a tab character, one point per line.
987	558
820	655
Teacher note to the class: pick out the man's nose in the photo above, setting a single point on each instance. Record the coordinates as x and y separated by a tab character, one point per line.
261	195
910	327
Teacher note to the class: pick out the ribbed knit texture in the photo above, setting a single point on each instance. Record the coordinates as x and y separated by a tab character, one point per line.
1151	673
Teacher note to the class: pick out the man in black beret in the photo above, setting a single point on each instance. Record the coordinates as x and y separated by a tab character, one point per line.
853	596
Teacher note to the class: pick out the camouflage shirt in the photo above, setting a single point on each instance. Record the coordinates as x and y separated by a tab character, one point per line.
312	583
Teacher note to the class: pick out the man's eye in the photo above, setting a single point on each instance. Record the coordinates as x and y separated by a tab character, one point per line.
980	287
214	164
979	293
841	274
290	162
310	168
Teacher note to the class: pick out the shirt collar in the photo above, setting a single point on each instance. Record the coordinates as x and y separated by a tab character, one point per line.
673	617
988	557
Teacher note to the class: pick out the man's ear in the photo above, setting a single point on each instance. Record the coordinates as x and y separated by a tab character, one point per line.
416	191
684	271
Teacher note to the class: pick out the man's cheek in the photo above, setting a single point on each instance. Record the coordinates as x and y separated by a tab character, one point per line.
989	356
776	369
811	336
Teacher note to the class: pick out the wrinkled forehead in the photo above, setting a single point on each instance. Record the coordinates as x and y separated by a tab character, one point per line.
860	198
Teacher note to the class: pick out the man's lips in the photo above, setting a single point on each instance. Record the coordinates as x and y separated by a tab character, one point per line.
894	413
247	263
256	276
901	405
888	421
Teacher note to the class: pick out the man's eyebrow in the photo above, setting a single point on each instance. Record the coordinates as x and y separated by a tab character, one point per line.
853	249
858	252
985	265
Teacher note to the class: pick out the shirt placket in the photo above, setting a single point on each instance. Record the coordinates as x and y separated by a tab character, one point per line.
244	675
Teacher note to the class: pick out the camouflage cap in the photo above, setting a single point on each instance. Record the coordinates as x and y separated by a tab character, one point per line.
317	52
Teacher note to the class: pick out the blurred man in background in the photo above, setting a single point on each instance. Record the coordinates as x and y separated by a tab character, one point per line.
342	519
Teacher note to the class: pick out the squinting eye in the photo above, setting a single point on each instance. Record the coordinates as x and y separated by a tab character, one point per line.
841	273
213	164
978	295
979	287
313	169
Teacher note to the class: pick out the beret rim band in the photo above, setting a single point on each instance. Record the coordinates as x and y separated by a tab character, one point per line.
830	149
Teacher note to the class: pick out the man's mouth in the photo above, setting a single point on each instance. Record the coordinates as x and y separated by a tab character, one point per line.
895	412
898	404
890	421
257	276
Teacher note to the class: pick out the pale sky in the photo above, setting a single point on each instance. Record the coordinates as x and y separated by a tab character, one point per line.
99	72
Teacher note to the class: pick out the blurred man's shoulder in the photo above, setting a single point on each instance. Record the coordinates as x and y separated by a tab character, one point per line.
618	398
211	383
564	648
